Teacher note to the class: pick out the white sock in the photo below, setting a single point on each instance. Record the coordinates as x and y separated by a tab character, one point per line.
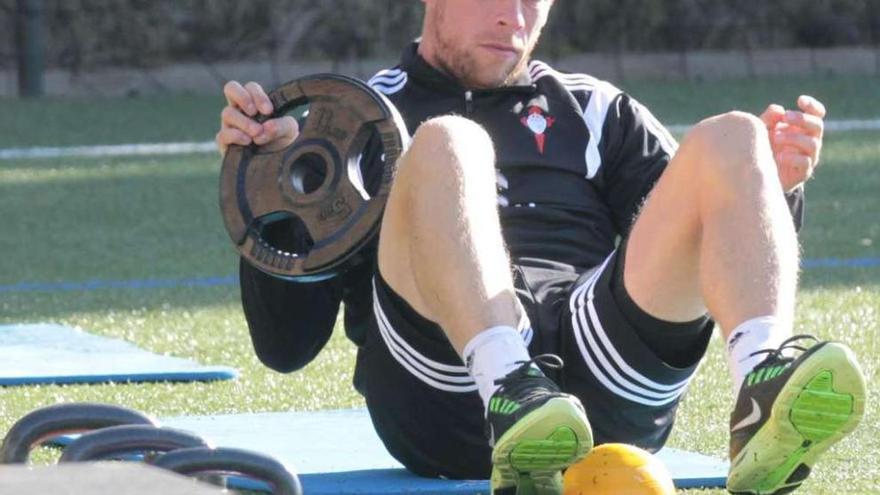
492	354
765	332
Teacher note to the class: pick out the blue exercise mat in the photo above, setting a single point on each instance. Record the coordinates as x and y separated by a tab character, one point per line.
55	354
338	452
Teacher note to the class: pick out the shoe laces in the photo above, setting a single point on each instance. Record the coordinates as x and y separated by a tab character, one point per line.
776	355
522	385
551	361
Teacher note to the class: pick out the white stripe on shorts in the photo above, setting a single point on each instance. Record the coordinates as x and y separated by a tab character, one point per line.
604	361
446	377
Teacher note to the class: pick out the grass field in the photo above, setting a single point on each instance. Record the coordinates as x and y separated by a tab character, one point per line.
147	217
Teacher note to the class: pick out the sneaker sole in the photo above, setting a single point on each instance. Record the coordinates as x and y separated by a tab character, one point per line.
529	457
822	402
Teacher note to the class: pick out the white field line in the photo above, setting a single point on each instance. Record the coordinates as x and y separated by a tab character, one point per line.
210	147
108	150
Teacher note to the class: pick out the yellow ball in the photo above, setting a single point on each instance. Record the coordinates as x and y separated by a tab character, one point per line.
619	469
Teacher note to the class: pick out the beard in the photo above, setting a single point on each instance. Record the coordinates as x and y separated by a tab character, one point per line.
462	63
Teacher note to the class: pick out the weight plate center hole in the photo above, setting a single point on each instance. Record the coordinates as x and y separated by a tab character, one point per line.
308	173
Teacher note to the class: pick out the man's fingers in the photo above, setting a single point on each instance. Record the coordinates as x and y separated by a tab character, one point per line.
811	106
811	124
230	117
280	132
259	97
797	165
285	127
808	145
228	136
237	96
237	119
794	169
773	115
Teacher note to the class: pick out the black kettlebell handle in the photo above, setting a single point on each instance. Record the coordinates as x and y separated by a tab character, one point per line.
51	421
118	441
202	460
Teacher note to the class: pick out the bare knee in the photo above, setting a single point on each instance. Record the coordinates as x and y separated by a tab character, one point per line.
451	130
733	135
449	147
731	150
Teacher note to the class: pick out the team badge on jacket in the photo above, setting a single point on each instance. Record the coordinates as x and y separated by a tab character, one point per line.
538	122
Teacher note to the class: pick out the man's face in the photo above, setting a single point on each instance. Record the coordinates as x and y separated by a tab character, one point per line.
483	43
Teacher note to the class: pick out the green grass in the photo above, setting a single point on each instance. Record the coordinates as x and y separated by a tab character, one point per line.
132	217
139	119
173	118
846	97
121	218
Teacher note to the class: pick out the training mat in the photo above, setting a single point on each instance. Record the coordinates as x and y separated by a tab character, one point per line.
338	452
54	354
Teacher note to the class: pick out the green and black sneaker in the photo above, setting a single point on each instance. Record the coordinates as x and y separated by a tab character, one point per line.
790	411
536	431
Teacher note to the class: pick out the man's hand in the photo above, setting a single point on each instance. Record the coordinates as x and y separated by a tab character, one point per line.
796	139
237	123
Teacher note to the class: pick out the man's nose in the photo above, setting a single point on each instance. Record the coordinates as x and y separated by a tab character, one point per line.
510	14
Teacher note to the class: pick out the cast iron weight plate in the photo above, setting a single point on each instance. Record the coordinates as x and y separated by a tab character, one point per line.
339	215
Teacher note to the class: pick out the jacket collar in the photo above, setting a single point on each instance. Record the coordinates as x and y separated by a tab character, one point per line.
419	69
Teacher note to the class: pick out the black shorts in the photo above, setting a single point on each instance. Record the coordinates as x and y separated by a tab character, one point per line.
424	404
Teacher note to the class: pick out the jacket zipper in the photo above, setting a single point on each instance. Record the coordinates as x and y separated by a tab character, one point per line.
468	102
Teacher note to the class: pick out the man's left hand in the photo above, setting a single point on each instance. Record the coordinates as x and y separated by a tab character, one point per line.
796	139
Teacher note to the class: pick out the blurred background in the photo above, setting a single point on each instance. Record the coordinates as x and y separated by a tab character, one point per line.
113	47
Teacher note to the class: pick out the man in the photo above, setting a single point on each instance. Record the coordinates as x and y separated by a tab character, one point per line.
510	237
